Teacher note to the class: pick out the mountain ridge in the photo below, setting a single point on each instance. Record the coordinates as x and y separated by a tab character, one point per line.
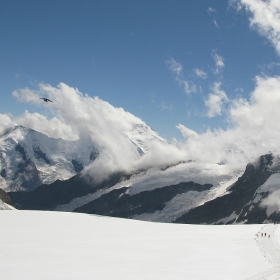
183	192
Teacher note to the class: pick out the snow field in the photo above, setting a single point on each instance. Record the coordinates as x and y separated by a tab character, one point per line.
57	245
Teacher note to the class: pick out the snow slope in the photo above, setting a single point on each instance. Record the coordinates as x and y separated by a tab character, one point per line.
54	245
220	176
268	241
5	206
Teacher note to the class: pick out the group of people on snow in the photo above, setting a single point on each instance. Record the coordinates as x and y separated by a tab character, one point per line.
263	235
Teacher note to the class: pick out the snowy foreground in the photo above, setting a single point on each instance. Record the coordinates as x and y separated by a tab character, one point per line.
57	245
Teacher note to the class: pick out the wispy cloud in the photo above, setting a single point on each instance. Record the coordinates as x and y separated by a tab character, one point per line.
174	66
219	62
215	100
265	17
211	11
188	86
200	73
177	68
215	23
187	133
163	106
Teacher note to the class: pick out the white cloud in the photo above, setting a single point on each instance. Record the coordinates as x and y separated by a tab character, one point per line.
187	133
200	73
265	17
215	100
5	123
27	95
253	128
219	62
53	127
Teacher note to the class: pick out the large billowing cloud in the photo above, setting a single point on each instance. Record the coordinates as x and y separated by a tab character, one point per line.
78	116
215	100
5	123
253	128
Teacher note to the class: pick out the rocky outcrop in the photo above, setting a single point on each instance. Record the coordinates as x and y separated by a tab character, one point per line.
5	197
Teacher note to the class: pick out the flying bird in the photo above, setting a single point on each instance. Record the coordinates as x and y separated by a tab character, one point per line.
46	99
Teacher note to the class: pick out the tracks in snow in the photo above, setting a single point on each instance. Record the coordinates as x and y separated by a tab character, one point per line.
267	242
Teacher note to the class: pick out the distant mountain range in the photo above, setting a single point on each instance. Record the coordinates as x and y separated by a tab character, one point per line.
43	173
29	158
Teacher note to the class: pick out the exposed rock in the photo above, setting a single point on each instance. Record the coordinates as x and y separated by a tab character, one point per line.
5	197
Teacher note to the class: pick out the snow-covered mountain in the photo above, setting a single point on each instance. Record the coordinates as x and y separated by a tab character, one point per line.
186	192
153	195
190	192
29	158
253	198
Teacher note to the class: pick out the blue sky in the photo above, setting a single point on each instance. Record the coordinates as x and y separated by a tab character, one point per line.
166	62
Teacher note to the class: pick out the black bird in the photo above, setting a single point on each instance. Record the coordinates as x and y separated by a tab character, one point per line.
46	99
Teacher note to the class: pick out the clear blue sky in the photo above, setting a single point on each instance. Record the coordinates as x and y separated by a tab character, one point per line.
135	54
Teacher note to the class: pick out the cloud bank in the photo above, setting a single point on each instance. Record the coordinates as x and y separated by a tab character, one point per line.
253	128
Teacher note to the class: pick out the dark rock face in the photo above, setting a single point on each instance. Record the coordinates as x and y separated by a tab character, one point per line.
78	167
48	197
3	173
238	201
94	154
21	150
39	154
119	203
27	175
5	197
